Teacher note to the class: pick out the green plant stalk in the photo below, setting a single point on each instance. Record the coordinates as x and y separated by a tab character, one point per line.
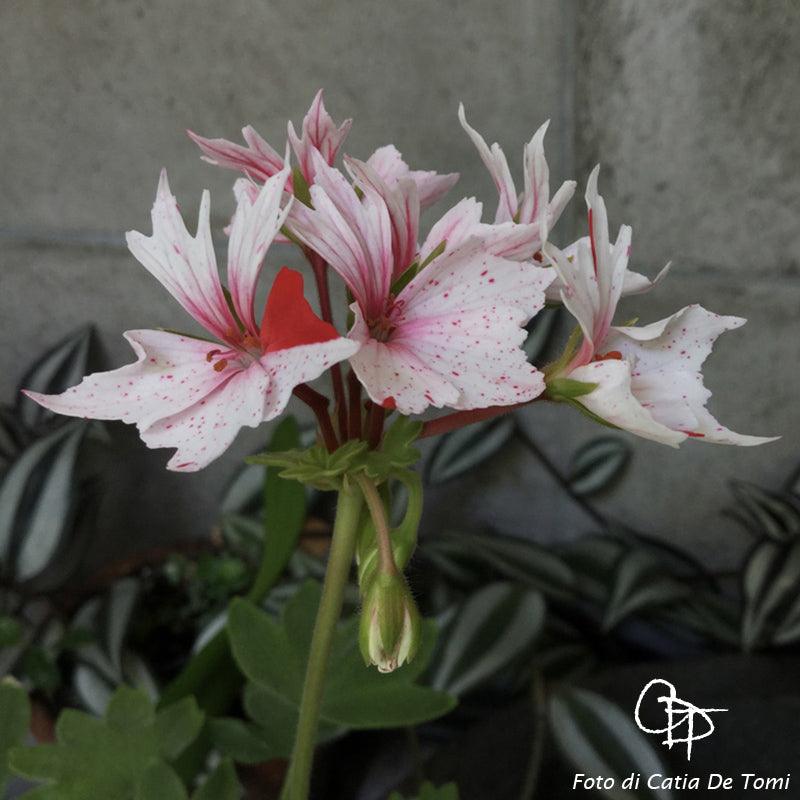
343	545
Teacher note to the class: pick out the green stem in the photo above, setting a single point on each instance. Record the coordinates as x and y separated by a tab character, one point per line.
343	545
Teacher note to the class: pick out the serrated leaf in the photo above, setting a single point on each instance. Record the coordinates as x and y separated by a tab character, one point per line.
57	369
108	757
221	784
15	716
396	451
492	629
273	655
240	740
639	583
36	501
160	781
464	449
599	739
598	464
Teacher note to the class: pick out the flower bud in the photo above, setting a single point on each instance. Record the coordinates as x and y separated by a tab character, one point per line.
389	631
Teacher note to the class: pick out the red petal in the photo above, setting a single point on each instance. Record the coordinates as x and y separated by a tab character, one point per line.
289	320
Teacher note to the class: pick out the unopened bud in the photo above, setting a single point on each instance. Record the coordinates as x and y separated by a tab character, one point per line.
389	632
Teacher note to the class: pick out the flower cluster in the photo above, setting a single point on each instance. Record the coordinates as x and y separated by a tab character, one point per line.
434	321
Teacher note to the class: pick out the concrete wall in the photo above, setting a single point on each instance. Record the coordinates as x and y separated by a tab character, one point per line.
691	106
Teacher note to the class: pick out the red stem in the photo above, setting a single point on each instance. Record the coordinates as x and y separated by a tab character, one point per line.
460	419
320	269
354	391
377	414
318	403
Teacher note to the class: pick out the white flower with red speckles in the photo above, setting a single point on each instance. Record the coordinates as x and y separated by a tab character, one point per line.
532	210
452	336
191	394
648	378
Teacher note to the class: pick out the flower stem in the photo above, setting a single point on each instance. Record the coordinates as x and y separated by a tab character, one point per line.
378	514
343	544
318	403
460	419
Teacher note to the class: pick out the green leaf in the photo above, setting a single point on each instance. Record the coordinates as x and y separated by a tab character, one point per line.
37	501
15	718
771	514
640	583
519	560
285	513
494	628
57	369
396	452
315	466
599	739
160	781
464	449
598	464
108	757
239	740
770	582
273	655
222	784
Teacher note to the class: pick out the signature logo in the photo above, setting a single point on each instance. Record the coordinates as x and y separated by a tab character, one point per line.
685	722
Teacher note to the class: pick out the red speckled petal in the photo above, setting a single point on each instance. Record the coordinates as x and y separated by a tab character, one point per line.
172	372
203	431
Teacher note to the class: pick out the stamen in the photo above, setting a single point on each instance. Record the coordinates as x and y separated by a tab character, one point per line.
220	365
611	355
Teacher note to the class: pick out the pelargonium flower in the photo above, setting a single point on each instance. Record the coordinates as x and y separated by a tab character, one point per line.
259	160
193	394
451	336
648	379
532	208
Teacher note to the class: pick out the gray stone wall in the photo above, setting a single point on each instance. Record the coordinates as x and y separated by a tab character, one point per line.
692	108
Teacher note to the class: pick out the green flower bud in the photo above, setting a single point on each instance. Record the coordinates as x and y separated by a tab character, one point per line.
389	631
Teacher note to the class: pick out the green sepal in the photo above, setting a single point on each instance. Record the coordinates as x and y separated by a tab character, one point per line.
300	187
591	415
405	278
396	452
553	369
435	253
316	466
568	388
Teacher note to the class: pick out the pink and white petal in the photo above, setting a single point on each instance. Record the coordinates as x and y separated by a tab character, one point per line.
354	236
432	186
495	161
478	352
456	226
469	278
204	430
614	401
579	291
402	202
320	133
559	202
682	341
186	266
295	365
395	377
172	372
636	283
536	193
258	160
254	227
